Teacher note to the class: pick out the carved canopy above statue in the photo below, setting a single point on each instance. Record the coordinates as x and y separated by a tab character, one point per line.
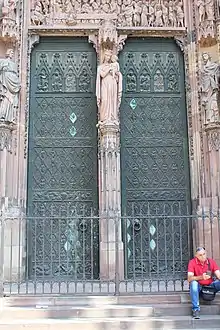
126	13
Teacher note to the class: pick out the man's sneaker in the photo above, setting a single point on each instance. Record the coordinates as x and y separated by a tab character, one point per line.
196	315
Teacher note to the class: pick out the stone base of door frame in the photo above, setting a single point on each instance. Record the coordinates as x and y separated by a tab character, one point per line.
111	260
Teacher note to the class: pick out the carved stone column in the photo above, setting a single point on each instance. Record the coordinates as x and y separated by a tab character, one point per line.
111	246
109	79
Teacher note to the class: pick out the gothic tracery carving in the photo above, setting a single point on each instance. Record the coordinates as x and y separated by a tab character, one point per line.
127	13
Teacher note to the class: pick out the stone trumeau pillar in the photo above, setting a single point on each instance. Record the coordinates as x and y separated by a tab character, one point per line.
108	93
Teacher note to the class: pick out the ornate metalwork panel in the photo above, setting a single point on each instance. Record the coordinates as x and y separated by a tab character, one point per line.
62	163
154	157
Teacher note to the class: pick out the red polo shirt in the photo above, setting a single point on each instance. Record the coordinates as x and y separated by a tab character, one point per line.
197	268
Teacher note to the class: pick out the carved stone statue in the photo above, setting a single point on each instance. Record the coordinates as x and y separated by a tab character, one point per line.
9	87
109	88
8	9
206	22
210	88
201	10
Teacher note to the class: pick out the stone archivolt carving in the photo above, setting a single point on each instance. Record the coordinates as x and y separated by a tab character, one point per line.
109	88
9	88
205	17
9	24
210	75
126	13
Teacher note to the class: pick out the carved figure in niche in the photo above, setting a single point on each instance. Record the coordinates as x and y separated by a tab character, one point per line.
128	10
131	81
151	14
57	81
43	81
201	10
138	14
9	9
158	15
179	14
144	16
210	88
165	13
145	81
9	87
209	9
171	15
158	82
108	89
87	6
38	16
84	81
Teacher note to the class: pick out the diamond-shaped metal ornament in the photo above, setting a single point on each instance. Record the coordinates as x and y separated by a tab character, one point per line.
152	244
152	230
133	104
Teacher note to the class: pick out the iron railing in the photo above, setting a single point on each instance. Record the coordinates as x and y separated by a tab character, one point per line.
111	254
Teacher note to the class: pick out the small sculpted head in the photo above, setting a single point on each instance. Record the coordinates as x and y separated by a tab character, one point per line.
9	53
206	57
107	56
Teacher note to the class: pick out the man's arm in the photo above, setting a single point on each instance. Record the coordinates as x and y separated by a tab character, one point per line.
217	274
191	277
215	269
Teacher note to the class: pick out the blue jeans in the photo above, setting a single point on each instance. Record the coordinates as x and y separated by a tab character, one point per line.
195	288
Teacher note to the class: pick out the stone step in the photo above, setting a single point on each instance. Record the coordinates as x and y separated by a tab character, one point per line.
168	298
136	323
105	311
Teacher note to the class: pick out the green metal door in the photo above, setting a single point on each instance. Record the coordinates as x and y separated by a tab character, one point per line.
62	159
154	158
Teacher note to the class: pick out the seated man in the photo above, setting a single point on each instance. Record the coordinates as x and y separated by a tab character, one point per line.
200	271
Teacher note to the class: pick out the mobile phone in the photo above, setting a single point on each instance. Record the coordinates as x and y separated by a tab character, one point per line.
209	273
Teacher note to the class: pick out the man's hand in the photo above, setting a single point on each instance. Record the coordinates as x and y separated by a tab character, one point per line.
205	276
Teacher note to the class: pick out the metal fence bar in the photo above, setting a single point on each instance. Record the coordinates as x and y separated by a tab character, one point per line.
2	224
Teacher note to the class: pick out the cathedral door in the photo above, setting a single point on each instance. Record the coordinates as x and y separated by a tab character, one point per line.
154	159
62	160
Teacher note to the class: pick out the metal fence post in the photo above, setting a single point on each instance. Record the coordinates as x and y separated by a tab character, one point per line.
117	277
2	224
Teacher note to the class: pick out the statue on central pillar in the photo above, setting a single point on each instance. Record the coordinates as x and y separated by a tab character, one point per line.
109	88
